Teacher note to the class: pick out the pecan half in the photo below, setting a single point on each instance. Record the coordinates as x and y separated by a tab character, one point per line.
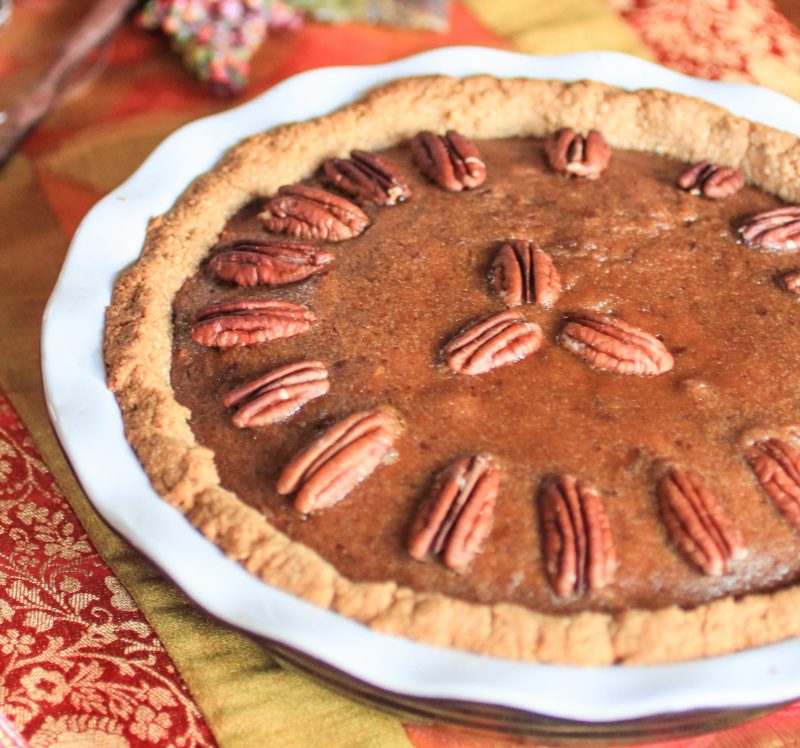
776	465
571	153
264	262
791	282
777	229
578	548
696	522
458	514
523	273
499	340
451	160
277	395
249	321
313	213
607	343
338	460
368	176
711	180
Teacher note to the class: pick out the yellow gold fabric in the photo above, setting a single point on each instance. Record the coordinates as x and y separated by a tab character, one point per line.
553	28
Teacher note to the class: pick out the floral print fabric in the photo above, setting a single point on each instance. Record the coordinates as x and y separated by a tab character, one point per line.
79	665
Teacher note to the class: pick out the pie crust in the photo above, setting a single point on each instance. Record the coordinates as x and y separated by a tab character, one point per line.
138	350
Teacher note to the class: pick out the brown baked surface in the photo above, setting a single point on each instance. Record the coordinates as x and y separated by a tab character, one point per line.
608	239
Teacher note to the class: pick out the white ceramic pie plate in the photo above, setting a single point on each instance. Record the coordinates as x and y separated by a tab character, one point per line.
89	425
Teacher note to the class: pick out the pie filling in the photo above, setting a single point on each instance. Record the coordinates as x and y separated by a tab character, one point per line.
631	244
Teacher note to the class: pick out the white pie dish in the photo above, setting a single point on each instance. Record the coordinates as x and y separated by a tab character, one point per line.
88	422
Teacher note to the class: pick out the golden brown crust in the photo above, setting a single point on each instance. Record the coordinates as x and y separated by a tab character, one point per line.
138	354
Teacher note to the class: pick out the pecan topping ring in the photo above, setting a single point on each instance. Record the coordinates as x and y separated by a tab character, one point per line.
313	213
776	465
277	395
523	273
578	548
711	180
338	460
263	262
501	339
777	229
249	321
696	522
607	343
367	176
451	160
458	514
571	153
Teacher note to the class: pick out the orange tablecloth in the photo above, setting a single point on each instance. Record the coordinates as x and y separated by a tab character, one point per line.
78	660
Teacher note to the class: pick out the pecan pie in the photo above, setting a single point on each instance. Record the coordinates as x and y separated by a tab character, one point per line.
507	366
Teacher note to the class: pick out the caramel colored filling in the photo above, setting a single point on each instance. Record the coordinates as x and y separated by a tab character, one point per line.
630	243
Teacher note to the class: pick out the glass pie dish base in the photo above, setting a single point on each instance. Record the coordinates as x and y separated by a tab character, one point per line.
472	719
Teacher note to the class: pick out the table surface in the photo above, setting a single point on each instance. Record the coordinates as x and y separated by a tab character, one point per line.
136	94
